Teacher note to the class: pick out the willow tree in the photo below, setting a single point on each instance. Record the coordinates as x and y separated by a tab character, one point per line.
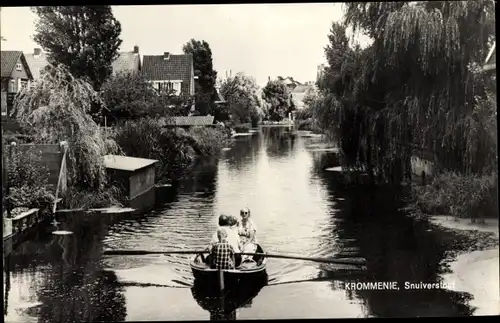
241	94
56	109
414	84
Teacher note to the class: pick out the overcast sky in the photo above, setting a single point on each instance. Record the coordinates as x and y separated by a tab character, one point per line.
259	40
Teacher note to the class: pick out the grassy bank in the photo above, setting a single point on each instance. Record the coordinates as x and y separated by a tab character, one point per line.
458	195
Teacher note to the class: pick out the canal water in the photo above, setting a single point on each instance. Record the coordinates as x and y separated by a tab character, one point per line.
299	209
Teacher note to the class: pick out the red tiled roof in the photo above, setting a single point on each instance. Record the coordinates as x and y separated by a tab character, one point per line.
36	63
127	62
177	67
191	121
9	60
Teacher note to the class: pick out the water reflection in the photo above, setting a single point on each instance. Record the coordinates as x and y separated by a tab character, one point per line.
224	307
278	141
370	224
299	209
67	283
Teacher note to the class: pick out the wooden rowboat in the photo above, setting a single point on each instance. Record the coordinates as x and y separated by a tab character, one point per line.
205	275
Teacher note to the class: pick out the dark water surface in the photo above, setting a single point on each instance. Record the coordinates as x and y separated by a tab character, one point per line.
299	209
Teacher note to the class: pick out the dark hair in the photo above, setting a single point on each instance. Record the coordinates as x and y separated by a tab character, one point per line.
223	220
233	220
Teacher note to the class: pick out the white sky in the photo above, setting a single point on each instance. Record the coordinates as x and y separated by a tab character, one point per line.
259	40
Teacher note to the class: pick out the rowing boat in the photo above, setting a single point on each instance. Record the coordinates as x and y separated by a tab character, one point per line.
244	273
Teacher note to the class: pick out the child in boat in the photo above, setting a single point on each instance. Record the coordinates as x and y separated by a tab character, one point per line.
222	252
232	238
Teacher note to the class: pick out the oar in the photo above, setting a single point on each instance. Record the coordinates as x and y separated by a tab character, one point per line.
152	252
340	261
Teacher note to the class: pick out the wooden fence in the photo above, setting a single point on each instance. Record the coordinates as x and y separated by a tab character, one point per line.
51	157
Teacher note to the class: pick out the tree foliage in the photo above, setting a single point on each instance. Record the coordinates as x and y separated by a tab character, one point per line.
413	84
57	109
130	96
240	92
207	76
86	39
279	98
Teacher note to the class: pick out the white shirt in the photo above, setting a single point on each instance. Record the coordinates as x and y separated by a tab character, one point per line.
232	238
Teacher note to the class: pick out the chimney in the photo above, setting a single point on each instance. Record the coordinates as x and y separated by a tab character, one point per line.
37	51
136	49
269	79
166	55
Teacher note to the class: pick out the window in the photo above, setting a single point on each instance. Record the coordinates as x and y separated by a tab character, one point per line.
18	67
12	86
169	87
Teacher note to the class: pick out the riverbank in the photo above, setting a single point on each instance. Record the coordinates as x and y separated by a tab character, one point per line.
475	271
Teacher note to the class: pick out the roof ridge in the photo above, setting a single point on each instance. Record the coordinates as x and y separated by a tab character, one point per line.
18	55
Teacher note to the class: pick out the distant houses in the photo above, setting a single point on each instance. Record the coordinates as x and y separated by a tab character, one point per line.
16	74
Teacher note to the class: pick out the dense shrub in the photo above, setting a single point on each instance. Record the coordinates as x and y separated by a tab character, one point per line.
457	194
242	128
81	199
209	141
130	96
27	179
146	138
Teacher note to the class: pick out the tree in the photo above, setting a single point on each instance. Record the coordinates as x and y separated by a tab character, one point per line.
207	76
413	84
279	98
57	109
130	96
240	92
85	39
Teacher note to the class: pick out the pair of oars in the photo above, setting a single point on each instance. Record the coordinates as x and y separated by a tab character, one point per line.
340	261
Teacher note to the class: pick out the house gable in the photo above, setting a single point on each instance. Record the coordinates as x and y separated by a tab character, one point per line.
14	65
127	62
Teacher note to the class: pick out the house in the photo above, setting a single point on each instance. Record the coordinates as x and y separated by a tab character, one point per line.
37	62
290	83
298	94
127	62
16	74
170	72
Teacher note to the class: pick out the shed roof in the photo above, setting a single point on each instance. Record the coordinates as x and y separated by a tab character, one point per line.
127	163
